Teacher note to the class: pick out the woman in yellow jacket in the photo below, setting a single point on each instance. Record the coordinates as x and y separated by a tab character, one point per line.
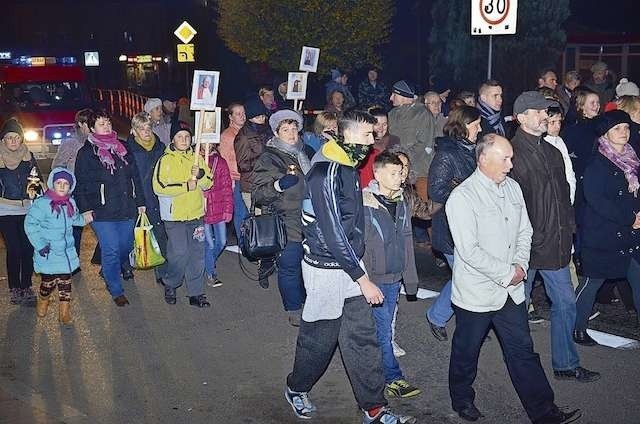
179	185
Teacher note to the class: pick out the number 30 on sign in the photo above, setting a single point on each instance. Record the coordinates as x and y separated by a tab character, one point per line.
493	17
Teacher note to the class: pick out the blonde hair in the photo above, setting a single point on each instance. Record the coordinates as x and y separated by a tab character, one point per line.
322	121
629	104
140	120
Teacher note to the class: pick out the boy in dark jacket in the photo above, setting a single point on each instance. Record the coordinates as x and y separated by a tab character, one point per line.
339	291
389	258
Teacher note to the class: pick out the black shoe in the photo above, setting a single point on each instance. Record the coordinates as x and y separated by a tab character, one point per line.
440	333
559	417
582	338
580	374
266	267
264	282
170	295
199	301
121	300
127	274
469	412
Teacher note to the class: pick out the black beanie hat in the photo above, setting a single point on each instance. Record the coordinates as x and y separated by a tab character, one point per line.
11	125
178	126
254	107
610	119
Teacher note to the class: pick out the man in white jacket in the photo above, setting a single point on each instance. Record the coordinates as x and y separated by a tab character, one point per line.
492	237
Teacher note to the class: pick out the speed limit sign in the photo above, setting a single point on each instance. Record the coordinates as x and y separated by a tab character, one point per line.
493	17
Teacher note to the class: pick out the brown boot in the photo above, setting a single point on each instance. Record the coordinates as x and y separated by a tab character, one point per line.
42	306
64	312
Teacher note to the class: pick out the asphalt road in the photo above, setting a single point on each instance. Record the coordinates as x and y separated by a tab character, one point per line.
154	363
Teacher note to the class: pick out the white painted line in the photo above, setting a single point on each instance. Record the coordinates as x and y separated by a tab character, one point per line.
423	293
611	340
233	248
604	339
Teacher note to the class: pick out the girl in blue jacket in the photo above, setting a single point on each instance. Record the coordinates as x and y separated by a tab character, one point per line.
49	226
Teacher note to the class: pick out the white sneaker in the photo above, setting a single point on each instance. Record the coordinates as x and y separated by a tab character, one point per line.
397	350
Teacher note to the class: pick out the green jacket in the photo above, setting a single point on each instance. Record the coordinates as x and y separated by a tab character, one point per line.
170	177
415	126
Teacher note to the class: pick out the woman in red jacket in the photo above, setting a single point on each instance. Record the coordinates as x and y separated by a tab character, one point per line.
219	211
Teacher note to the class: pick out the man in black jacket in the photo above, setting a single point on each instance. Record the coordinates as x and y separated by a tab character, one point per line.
339	291
539	169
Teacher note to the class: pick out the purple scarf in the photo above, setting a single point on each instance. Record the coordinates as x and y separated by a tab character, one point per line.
57	202
627	161
107	145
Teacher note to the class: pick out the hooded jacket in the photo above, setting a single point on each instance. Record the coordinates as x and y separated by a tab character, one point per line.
219	198
45	227
539	169
389	255
332	212
453	163
170	178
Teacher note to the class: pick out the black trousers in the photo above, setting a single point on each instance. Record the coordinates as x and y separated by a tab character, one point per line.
19	251
355	335
512	327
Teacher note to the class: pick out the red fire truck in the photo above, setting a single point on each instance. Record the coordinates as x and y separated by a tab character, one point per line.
43	93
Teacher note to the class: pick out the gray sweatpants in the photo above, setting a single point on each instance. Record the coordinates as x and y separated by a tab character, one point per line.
185	256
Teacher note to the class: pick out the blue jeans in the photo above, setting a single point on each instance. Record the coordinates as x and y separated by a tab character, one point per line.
240	211
383	314
116	241
523	363
564	355
588	289
290	281
215	236
441	311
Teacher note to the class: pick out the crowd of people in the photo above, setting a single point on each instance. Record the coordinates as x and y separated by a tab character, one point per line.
550	190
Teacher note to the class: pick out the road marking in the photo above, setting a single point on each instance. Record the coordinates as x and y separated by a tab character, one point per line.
611	340
603	339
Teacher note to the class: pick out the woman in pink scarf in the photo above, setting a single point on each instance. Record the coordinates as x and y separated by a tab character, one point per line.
109	185
610	232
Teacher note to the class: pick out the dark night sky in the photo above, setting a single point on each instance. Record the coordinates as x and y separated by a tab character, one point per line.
57	27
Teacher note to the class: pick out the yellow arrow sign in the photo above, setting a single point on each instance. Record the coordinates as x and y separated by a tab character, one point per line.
185	32
186	53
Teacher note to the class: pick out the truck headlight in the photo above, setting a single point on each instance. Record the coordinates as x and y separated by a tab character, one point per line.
31	135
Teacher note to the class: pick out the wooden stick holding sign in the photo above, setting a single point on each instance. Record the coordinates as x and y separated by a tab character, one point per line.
196	153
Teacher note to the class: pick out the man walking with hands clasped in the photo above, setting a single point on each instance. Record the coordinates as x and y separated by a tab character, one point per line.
492	238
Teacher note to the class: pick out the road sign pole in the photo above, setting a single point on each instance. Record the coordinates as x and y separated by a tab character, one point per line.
490	57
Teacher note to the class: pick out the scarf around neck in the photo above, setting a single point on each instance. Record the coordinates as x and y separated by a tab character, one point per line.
146	145
57	202
492	116
11	159
627	162
107	145
294	150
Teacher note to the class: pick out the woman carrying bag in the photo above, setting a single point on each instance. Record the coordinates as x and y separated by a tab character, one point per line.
278	187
